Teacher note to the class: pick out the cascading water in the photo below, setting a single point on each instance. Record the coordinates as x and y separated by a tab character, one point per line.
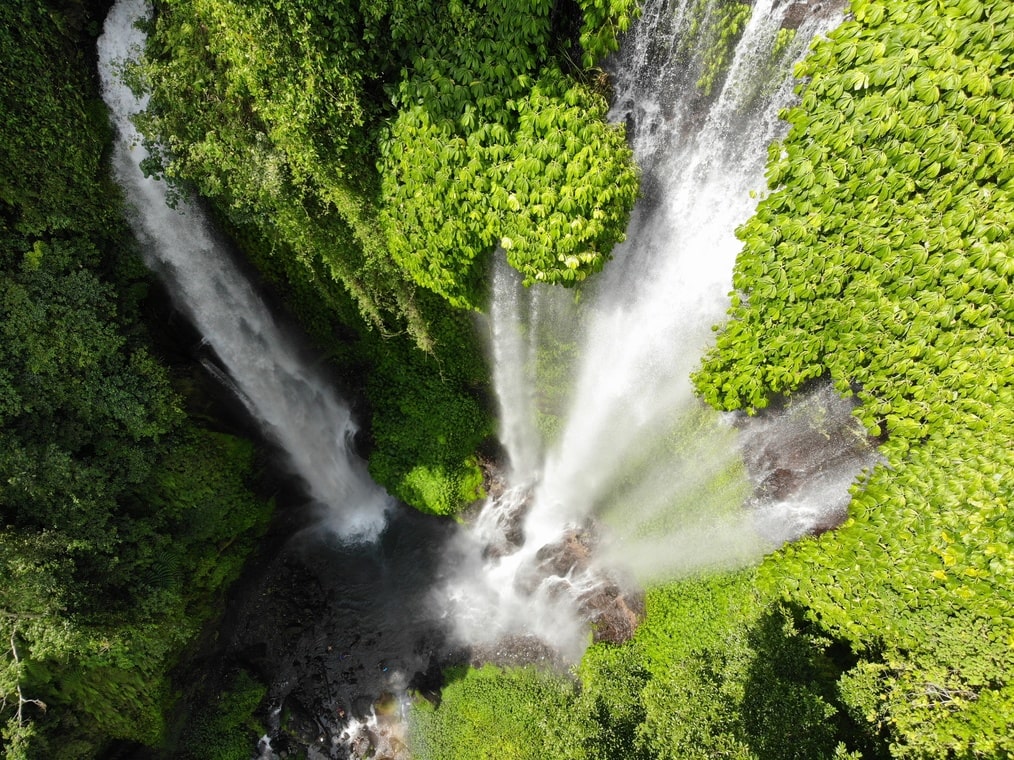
330	621
638	469
512	356
291	401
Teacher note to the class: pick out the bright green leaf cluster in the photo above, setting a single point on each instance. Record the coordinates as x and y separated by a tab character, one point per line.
514	714
882	259
888	232
548	182
603	23
918	580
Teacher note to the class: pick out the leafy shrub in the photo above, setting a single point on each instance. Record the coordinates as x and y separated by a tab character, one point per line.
880	260
427	425
536	172
489	713
228	730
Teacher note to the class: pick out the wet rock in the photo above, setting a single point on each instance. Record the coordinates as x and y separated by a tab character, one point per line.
571	554
494	481
781	483
502	522
565	570
802	452
515	651
802	10
379	739
613	613
796	15
829	520
332	627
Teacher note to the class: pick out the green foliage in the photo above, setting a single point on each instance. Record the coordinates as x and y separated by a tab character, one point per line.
603	23
926	550
427	421
715	670
342	146
424	410
542	177
494	714
734	676
495	147
227	730
609	703
782	41
48	120
206	519
881	260
439	492
267	108
101	670
280	112
853	230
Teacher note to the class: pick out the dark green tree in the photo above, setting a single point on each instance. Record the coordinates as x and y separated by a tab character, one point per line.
119	522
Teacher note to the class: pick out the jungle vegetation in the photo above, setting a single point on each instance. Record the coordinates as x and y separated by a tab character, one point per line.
881	259
341	145
121	519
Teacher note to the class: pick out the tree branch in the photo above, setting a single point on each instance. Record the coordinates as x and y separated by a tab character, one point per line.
22	700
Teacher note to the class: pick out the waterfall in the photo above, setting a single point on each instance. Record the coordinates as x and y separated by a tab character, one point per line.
290	399
616	471
662	479
513	362
649	319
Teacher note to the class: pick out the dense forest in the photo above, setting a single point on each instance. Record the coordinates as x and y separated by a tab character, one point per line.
369	159
122	518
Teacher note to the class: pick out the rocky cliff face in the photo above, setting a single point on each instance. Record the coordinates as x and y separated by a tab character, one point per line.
801	455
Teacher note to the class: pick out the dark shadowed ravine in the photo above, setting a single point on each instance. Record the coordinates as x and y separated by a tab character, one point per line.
340	630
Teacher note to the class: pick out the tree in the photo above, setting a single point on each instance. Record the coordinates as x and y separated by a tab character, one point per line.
282	113
878	260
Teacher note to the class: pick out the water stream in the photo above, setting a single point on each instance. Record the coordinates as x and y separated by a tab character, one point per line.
293	403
